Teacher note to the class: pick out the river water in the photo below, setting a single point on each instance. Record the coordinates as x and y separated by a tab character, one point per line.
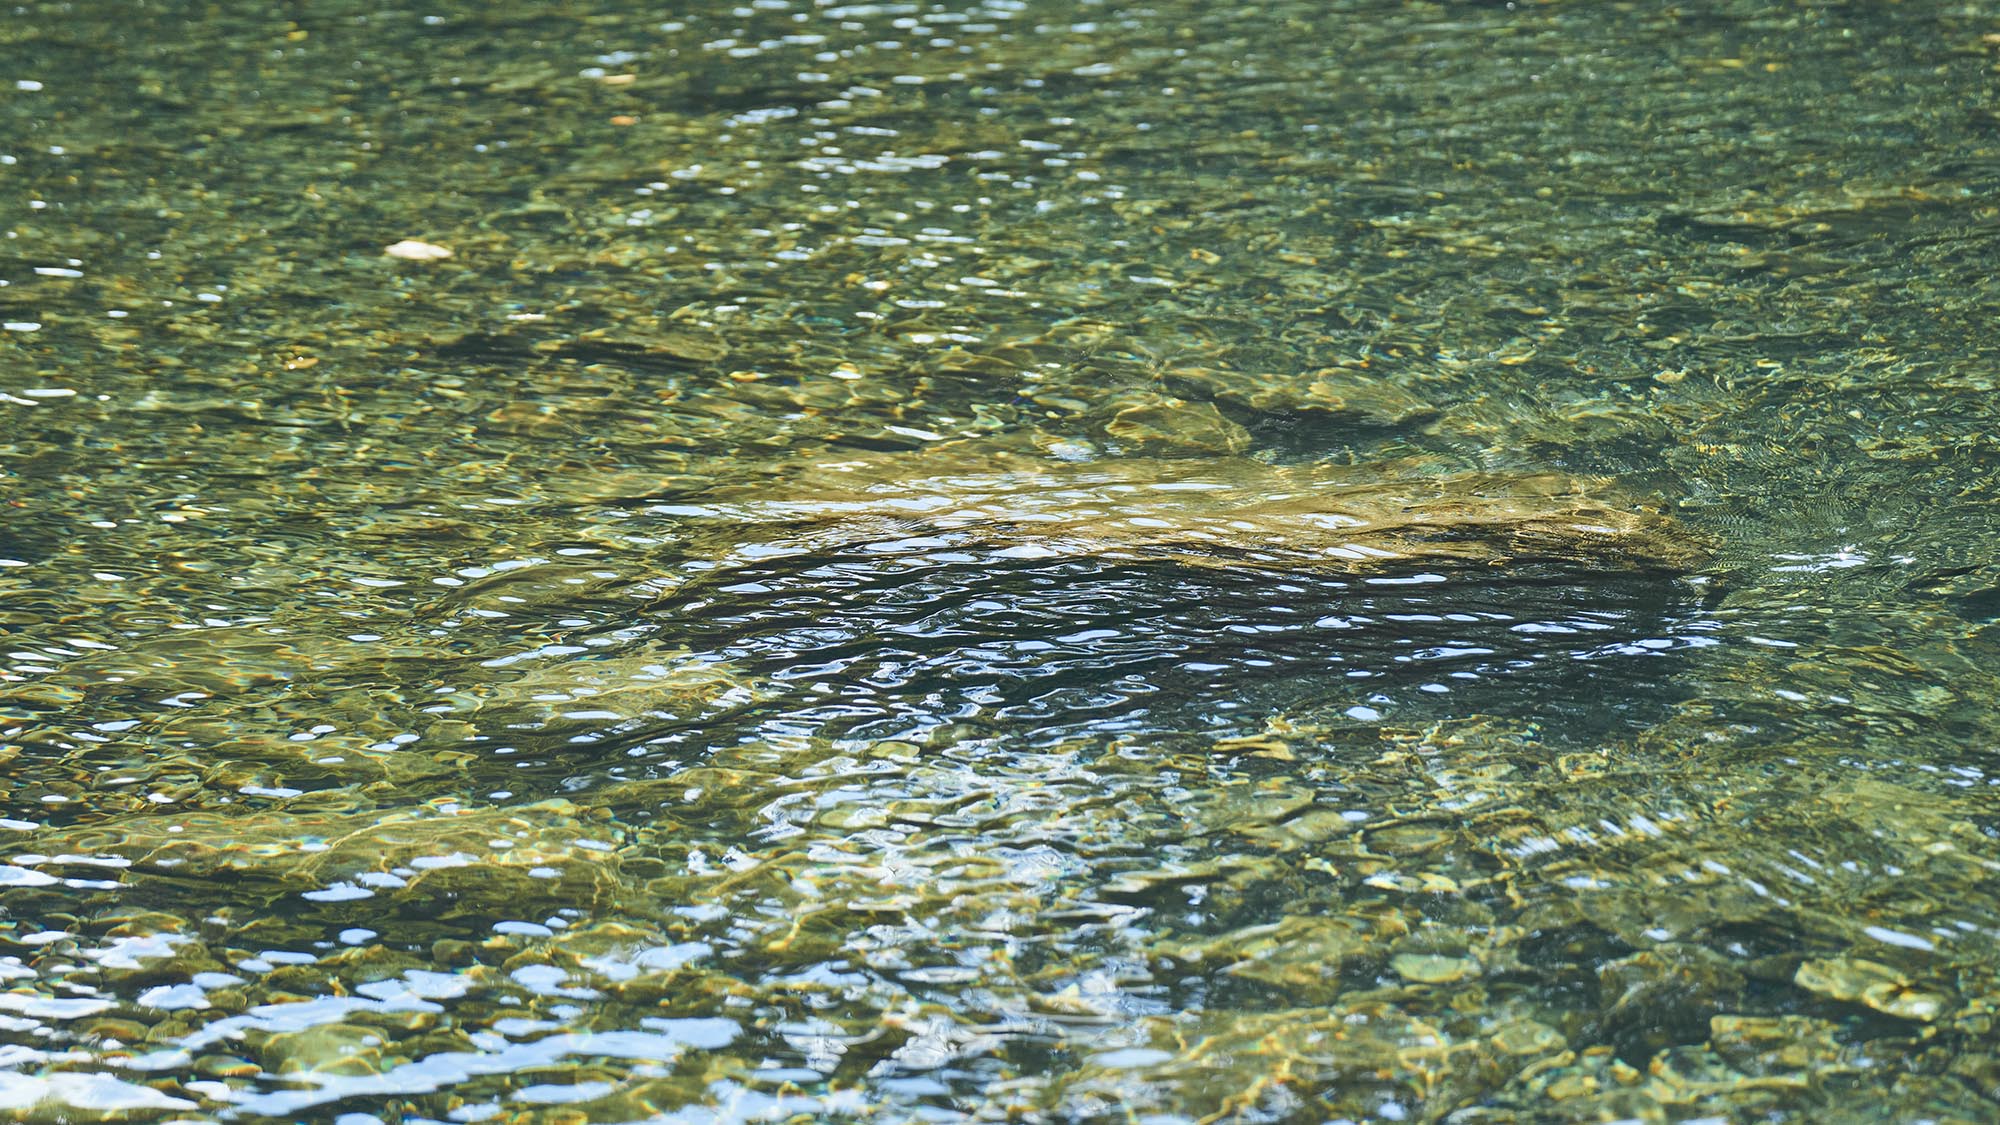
1007	560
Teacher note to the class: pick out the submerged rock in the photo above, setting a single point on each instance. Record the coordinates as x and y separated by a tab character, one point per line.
414	250
1874	984
1430	968
1334	394
1221	512
1168	424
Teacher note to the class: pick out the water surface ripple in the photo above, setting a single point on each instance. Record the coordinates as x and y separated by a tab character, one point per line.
995	560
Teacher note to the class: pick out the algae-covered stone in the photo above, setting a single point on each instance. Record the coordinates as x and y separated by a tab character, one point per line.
564	695
1145	884
325	856
1171	424
1782	1043
334	1048
1527	1037
1430	968
1226	512
1338	394
1300	955
1872	983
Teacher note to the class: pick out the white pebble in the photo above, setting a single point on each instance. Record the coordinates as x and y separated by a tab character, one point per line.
412	250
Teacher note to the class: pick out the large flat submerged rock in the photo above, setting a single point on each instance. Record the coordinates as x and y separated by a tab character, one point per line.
1209	513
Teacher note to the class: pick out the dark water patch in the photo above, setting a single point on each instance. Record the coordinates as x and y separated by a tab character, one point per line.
1107	645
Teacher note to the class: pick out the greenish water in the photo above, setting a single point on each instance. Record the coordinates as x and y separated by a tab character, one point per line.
1023	560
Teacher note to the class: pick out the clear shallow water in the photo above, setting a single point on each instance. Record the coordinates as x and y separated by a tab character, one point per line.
904	566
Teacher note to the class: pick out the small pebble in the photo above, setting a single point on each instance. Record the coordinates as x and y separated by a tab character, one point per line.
414	251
